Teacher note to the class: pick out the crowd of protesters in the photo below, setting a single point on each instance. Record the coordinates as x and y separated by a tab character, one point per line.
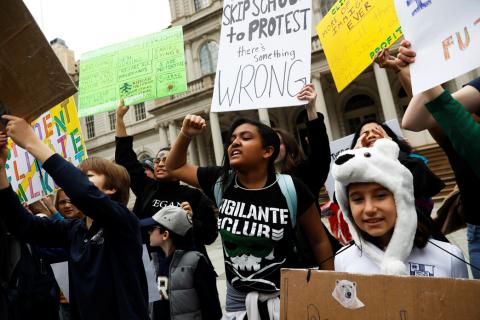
262	201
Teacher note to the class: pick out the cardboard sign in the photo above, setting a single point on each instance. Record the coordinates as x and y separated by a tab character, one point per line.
138	70
342	144
32	79
353	32
336	295
58	128
446	36
269	43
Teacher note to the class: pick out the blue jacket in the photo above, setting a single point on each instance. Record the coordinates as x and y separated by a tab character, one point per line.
106	274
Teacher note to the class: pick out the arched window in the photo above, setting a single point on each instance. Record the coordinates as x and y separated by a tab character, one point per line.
208	57
326	5
358	109
200	4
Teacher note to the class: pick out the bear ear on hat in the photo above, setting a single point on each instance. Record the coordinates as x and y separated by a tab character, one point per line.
387	147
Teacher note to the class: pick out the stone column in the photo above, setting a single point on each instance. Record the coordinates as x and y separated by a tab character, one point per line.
172	132
216	137
192	150
263	116
162	132
321	104
202	149
189	61
385	92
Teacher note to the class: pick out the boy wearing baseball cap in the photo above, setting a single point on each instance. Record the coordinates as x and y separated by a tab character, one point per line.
185	279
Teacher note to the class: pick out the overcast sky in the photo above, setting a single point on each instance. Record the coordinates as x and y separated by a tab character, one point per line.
87	25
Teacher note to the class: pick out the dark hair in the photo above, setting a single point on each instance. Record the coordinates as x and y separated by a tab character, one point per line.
269	139
293	153
402	144
116	176
163	149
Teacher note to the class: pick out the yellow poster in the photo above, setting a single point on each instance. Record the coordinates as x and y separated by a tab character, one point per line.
352	32
59	128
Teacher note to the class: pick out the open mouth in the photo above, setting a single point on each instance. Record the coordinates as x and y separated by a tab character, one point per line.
235	153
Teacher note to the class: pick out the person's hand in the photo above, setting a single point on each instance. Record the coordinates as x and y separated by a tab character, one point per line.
48	202
385	60
20	131
379	131
3	149
186	206
406	55
308	94
193	125
122	109
361	141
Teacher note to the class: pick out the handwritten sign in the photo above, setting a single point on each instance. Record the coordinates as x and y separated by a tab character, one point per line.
138	70
353	32
58	128
270	45
446	36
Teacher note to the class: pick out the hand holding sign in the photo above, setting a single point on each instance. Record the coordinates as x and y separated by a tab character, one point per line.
122	109
3	149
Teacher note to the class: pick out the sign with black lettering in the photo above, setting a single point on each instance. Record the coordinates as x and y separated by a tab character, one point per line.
264	55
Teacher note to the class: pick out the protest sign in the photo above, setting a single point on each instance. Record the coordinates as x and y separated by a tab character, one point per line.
342	144
58	128
446	37
352	33
32	79
264	55
311	294
138	70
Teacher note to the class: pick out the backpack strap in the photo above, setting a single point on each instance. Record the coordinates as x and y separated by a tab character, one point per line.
285	182
217	188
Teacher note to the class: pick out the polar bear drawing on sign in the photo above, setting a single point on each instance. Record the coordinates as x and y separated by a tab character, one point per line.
345	293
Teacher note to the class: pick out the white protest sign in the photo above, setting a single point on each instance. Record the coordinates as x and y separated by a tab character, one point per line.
264	56
153	293
342	144
60	271
445	35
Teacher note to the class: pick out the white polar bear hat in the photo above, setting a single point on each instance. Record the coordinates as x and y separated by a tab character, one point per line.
380	164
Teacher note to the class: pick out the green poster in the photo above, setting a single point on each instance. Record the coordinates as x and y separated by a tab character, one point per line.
138	70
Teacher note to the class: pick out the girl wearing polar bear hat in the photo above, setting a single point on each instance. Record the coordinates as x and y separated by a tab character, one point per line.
375	191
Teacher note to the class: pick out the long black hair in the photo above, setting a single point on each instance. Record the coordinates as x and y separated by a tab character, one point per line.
402	144
269	139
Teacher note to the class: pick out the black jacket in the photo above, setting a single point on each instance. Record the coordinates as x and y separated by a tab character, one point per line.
148	191
106	274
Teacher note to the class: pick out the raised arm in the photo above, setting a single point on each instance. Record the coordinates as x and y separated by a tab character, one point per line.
417	117
317	165
125	156
18	220
457	123
84	194
177	159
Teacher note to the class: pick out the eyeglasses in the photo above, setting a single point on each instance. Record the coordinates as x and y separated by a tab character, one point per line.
64	202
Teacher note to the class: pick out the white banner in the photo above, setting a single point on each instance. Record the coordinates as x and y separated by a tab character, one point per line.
446	36
264	55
